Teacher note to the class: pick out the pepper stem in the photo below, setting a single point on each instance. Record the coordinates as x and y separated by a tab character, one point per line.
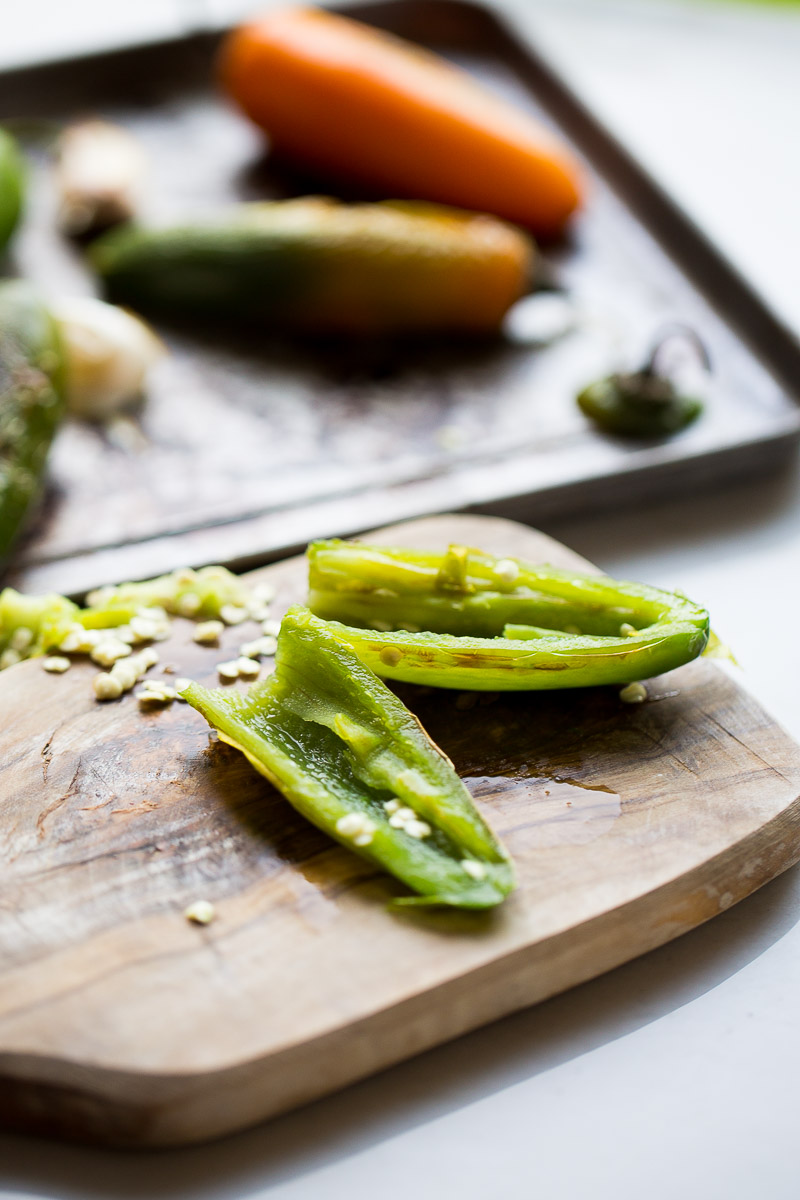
670	334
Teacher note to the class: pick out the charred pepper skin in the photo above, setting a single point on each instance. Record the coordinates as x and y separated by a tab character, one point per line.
31	402
467	620
341	747
12	187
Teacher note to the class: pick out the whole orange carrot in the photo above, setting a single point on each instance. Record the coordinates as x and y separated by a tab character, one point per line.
356	103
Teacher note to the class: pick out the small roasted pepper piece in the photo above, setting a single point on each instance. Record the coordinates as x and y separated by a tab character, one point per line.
349	756
318	266
12	187
31	402
467	620
645	403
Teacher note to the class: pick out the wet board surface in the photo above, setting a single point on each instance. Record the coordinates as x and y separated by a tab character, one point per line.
120	1022
249	446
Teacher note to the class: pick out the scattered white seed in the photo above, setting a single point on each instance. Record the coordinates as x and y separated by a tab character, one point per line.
506	570
390	656
21	639
125	634
72	641
107	652
181	684
144	629
106	687
147	658
391	806
153	612
201	912
56	664
248	667
207	632
271	628
260	646
126	672
627	630
9	658
184	577
233	614
188	605
155	692
228	670
349	824
475	870
634	693
357	826
417	829
257	612
264	592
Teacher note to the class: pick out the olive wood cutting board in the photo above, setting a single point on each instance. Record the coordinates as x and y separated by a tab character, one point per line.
121	1022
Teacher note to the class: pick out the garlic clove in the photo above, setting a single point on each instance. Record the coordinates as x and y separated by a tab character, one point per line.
108	353
101	168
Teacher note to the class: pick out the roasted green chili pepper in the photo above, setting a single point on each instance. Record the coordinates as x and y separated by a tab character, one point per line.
12	187
467	620
350	757
31	402
323	267
644	403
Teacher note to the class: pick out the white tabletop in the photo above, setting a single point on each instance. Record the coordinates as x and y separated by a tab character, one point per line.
675	1075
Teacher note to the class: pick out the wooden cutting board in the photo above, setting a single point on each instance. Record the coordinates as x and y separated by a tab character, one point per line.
120	1022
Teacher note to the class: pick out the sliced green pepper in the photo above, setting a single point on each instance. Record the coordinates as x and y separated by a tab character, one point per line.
348	755
33	625
467	620
31	402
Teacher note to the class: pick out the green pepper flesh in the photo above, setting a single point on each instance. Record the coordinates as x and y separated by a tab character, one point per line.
336	741
507	625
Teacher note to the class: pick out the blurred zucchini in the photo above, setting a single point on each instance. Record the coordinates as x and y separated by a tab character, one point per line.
12	187
31	402
99	176
319	266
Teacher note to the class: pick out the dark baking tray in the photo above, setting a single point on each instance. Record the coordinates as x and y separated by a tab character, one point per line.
249	447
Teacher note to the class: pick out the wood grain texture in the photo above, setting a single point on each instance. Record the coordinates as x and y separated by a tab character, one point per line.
121	1022
297	440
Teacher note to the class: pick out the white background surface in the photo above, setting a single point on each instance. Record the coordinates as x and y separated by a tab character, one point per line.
676	1075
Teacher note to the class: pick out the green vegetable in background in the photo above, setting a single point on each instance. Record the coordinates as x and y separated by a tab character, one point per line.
31	402
12	186
645	403
467	620
350	757
318	266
